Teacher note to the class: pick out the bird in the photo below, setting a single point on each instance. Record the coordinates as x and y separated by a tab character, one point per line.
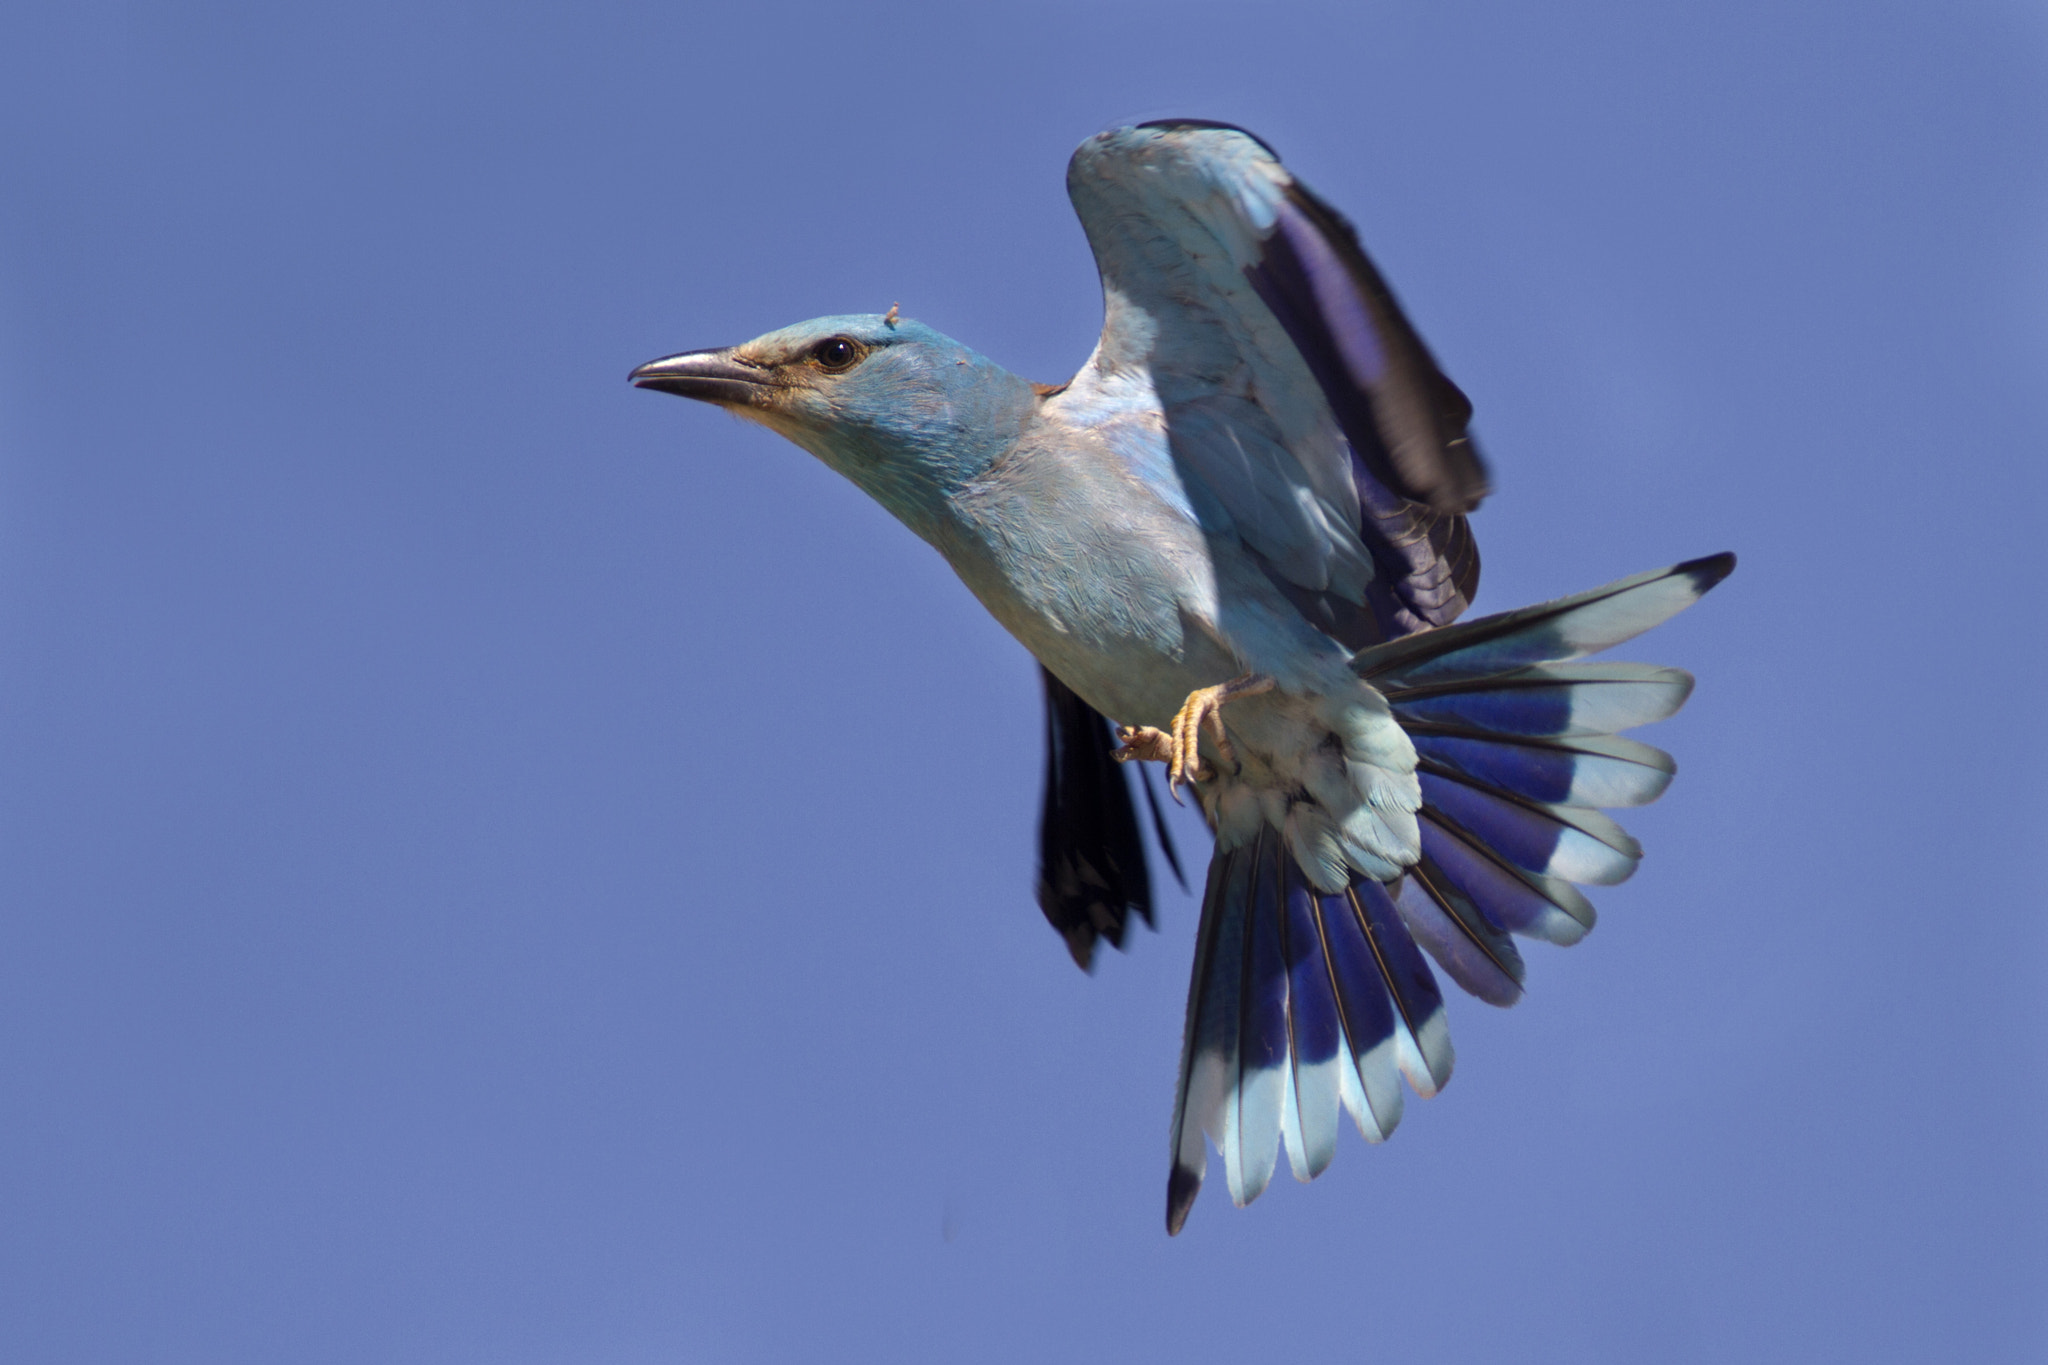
1240	530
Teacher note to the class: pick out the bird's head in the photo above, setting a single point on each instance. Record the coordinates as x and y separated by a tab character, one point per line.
906	413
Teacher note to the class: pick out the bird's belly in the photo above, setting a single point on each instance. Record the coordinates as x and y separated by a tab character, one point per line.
1129	681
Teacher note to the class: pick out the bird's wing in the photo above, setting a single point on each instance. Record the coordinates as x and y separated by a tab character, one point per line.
1241	309
1091	858
1293	389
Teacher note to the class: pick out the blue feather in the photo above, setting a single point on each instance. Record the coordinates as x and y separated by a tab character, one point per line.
1262	1038
1424	1040
1314	1035
1481	958
1547	700
1302	1005
1404	419
1510	900
1586	770
1553	632
1553	841
1366	1014
1208	1055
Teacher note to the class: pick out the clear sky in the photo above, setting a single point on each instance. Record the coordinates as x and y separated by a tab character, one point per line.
500	867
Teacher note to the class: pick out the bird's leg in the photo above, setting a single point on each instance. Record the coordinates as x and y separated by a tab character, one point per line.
1206	704
1180	748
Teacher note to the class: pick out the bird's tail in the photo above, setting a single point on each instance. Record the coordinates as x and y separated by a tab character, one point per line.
1305	1003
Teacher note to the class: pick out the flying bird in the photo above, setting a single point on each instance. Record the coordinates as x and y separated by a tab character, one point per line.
1240	531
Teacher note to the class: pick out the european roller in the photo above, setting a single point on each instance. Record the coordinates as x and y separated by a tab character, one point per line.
1240	530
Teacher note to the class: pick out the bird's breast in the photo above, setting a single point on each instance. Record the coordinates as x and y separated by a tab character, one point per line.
1108	588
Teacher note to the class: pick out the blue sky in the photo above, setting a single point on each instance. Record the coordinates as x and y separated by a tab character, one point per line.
497	866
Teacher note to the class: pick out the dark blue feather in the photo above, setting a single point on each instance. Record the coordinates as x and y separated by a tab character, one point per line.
1530	706
1427	559
1552	841
1594	770
1262	1037
1545	700
1312	1008
1431	558
1510	900
1404	419
1409	981
1413	462
1262	1028
1366	1011
1208	1056
1481	958
1542	774
1313	1031
1222	986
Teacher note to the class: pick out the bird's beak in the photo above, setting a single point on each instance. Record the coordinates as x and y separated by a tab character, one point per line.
713	376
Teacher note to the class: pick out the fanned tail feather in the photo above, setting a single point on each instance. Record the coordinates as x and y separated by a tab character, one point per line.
1516	750
1551	632
1304	1004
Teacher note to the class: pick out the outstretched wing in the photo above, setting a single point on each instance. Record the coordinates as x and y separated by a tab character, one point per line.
1292	387
1296	391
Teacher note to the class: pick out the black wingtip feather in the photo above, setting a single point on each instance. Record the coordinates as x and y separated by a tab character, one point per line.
1159	832
1422	450
1091	855
1709	570
1182	1186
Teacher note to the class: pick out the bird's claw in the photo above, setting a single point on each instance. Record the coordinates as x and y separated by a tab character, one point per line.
1143	744
1180	748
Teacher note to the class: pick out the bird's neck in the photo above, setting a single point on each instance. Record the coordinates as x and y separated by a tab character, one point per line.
932	445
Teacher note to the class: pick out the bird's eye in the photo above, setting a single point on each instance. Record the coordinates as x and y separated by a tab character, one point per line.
837	353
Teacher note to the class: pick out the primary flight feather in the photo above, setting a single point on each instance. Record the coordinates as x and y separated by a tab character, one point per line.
1240	531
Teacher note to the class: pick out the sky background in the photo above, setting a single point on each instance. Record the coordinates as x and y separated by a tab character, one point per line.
500	867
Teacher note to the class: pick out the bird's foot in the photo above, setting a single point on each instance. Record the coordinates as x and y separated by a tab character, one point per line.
1180	748
1143	744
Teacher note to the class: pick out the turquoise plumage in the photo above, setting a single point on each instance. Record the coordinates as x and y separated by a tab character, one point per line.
1241	531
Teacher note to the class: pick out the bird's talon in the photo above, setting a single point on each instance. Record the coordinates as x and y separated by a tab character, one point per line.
1180	748
1143	744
